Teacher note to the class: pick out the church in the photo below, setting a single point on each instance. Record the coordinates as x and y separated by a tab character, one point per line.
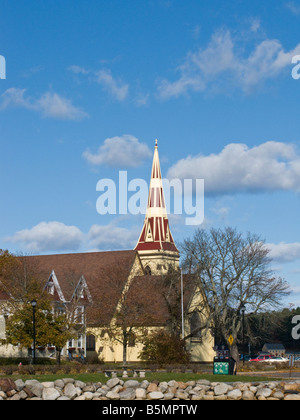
122	295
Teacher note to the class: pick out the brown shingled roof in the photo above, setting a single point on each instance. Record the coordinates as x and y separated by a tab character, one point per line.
96	267
70	267
149	293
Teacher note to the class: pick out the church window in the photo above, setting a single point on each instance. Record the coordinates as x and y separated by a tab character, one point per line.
195	326
148	270
90	343
131	340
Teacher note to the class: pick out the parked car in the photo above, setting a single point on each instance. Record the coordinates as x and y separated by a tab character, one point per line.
246	357
278	359
261	358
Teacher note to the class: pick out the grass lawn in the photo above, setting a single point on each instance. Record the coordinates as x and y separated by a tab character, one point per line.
150	376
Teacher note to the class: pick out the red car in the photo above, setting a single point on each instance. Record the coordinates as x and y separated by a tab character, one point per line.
261	358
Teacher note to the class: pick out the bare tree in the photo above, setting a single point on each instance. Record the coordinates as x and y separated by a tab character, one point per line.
232	270
123	308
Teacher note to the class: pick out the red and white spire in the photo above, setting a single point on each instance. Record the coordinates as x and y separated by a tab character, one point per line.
156	235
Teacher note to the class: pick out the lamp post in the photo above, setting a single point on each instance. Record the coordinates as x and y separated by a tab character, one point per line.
243	308
33	304
182	317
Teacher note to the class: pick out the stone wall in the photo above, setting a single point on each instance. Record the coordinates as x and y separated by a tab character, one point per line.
117	389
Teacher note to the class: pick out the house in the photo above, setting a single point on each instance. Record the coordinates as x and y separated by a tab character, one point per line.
118	295
276	349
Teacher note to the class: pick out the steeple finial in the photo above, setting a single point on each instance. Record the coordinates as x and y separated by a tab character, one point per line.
155	142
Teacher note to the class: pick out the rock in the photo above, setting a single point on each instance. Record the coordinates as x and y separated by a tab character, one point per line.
80	384
235	394
220	389
68	380
89	388
152	387
28	392
222	397
48	384
112	395
15	397
131	384
181	395
248	395
59	383
127	394
23	395
140	393
70	391
155	395
263	392
291	386
292	397
19	384
279	395
88	395
35	388
182	385
111	383
80	398
50	394
163	387
7	384
173	384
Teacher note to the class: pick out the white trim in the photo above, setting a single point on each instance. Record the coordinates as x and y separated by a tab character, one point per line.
82	282
57	286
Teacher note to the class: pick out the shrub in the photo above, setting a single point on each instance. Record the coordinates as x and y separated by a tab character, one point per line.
163	348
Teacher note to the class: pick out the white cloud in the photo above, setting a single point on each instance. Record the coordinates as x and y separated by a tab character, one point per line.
284	252
295	9
270	166
49	236
224	61
119	151
111	237
116	88
53	105
50	104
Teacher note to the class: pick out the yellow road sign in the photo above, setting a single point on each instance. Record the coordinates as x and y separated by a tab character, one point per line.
230	339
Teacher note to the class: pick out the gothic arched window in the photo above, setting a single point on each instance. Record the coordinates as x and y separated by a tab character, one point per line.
195	325
148	270
90	343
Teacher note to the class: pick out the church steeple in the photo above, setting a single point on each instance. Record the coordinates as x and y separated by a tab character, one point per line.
156	246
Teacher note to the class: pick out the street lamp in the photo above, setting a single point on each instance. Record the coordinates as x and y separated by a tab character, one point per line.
182	318
33	304
243	309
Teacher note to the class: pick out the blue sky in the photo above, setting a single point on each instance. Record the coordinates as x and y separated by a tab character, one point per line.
89	87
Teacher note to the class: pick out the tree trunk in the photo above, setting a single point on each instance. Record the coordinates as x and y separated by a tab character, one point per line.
57	356
124	348
234	353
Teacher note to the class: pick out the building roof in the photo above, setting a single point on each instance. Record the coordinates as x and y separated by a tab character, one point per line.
156	234
154	301
100	270
274	346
